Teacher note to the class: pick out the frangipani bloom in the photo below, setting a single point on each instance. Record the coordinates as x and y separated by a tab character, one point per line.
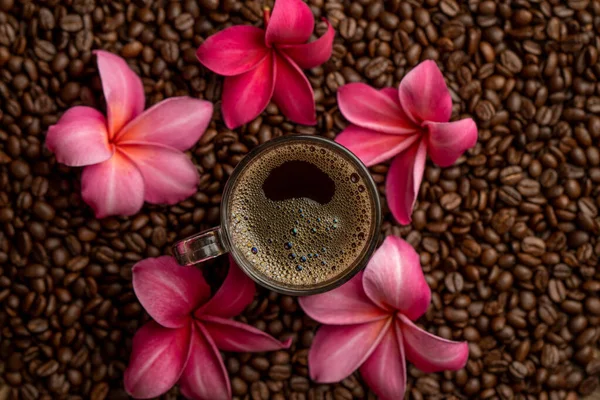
259	65
132	155
369	324
407	124
182	343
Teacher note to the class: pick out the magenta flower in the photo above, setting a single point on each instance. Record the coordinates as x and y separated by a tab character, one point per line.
132	155
406	124
259	65
182	343
368	324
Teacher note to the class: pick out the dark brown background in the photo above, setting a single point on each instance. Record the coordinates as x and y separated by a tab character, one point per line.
507	236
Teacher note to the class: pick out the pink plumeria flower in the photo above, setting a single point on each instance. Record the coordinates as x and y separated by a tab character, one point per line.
407	124
182	343
260	65
132	155
369	324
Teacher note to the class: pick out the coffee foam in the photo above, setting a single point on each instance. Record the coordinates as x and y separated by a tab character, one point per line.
299	243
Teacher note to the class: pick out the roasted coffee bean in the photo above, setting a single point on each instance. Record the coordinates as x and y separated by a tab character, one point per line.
347	28
533	245
557	291
518	371
454	282
279	372
99	391
71	23
238	386
589	385
450	201
593	367
47	368
592	305
550	356
37	325
507	236
376	67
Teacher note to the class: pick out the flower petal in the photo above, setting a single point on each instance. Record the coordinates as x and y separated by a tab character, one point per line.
431	353
337	351
234	50
247	95
373	109
449	140
291	22
394	279
424	95
385	370
177	122
169	175
79	138
113	187
344	305
123	91
313	54
404	180
234	336
204	376
157	359
168	291
392	93
293	93
236	293
373	147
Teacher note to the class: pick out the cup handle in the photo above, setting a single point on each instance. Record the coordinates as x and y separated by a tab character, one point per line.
198	248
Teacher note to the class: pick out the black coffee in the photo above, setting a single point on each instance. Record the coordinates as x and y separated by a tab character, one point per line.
299	179
301	214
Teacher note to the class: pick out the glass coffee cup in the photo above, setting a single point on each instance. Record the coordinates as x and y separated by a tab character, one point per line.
300	215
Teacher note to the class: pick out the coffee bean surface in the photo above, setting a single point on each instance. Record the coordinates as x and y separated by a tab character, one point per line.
507	236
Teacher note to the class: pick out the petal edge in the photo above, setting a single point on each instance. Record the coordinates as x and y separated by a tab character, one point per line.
79	138
169	175
234	50
344	305
385	369
293	93
291	22
373	109
373	147
204	376
403	181
236	293
168	291
113	187
312	54
158	357
123	90
337	351
177	122
231	335
252	89
431	353
394	279
448	141
424	95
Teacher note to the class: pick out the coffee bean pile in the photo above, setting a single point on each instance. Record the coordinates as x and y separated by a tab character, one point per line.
508	237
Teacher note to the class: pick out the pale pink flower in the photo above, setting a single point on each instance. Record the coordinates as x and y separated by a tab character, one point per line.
182	343
407	124
368	323
262	64
132	155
